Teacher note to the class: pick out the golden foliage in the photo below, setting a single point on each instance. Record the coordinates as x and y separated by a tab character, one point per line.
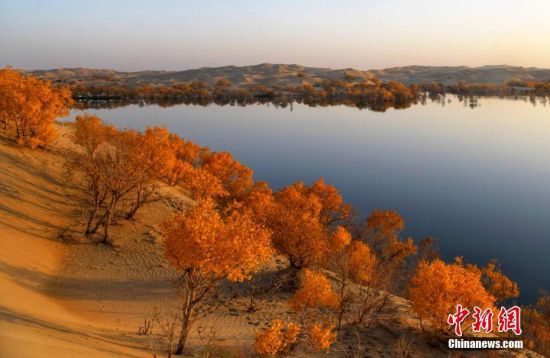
381	231
260	200
494	281
115	166
301	217
339	239
536	325
184	152
333	208
206	245
235	177
29	107
385	223
437	288
498	284
358	263
354	263
201	183
89	132
212	244
315	291
320	336
277	339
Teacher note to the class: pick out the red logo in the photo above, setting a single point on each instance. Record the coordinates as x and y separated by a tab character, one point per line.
482	320
457	319
508	319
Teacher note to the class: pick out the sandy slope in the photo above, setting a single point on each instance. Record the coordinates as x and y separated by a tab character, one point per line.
34	321
62	296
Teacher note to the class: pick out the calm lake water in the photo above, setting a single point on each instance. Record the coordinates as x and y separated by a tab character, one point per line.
478	180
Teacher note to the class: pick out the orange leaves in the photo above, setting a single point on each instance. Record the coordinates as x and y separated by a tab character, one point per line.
207	245
498	284
155	151
352	263
315	291
29	107
217	245
494	281
201	183
89	132
319	336
207	174
339	239
381	232
260	200
281	337
277	339
300	218
358	263
385	223
438	287
536	323
235	177
333	208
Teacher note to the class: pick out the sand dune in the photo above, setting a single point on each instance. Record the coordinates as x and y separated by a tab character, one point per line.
292	75
33	321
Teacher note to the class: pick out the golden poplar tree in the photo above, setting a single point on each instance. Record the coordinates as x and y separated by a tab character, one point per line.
207	245
29	107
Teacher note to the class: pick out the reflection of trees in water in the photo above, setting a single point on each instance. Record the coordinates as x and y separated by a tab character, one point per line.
376	97
377	106
442	99
472	94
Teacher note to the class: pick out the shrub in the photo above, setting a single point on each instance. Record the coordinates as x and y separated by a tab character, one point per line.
437	288
279	338
315	291
320	336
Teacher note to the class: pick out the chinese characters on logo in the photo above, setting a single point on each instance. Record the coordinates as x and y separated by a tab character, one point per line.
508	319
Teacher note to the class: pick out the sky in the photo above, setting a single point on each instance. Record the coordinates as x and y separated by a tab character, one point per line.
134	35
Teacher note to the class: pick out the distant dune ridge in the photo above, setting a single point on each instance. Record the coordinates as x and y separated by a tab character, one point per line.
285	75
447	75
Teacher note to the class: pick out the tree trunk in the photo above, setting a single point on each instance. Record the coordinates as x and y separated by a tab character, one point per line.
91	218
108	218
106	228
187	311
342	305
17	131
135	206
98	224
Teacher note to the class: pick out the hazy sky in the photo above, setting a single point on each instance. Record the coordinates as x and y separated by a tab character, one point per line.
172	34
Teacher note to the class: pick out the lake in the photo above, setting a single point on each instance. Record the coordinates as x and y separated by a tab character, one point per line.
478	180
